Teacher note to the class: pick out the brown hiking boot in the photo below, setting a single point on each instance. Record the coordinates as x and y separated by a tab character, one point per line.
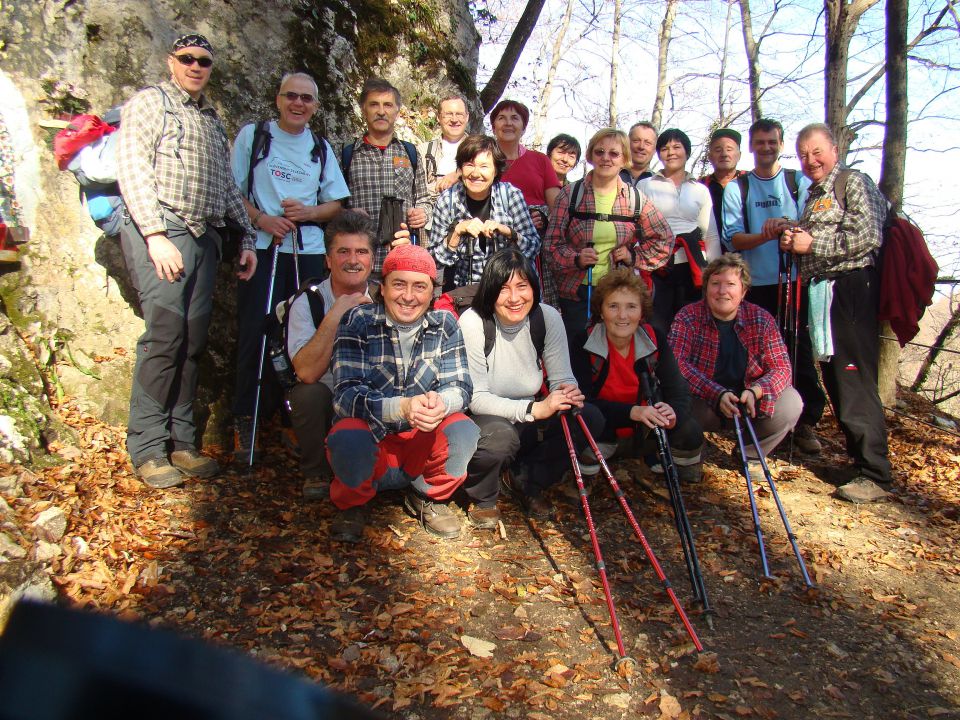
159	473
348	525
484	518
806	440
193	464
316	487
436	518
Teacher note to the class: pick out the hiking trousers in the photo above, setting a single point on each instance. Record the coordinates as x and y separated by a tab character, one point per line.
311	412
851	375
770	430
176	316
433	463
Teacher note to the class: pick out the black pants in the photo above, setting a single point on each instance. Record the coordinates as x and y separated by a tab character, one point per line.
851	375
539	445
575	314
251	311
671	291
176	316
685	438
805	372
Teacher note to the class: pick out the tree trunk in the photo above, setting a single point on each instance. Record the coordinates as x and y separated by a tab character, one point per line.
494	88
946	332
666	31
753	60
615	61
841	18
894	162
721	111
543	104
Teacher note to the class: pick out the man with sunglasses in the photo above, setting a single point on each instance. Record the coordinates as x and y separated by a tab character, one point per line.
291	183
173	166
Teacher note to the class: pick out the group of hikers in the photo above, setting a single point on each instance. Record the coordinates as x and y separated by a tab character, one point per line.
558	297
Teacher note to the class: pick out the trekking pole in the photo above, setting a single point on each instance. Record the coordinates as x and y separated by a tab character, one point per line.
753	503
776	498
589	283
297	242
597	553
263	353
681	519
621	497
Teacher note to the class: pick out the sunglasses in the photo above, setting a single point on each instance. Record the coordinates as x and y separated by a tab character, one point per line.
305	98
188	60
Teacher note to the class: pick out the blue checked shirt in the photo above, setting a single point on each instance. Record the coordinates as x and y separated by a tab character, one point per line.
369	373
507	207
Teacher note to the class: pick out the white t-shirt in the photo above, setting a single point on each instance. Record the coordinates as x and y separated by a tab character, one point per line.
288	172
447	160
685	209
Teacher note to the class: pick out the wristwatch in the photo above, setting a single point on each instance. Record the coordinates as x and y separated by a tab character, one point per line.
528	415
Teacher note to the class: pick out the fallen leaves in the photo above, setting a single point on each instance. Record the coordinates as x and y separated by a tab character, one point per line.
478	647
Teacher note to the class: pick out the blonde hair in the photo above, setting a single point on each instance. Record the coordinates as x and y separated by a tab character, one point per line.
605	133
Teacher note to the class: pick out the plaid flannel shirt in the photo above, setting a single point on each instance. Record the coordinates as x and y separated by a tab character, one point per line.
173	153
368	366
507	206
695	341
566	236
842	240
374	174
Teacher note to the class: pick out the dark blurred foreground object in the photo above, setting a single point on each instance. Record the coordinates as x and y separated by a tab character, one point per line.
58	664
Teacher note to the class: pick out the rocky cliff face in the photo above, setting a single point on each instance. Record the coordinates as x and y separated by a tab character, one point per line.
68	305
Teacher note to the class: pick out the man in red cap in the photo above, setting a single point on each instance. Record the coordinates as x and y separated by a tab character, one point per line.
400	385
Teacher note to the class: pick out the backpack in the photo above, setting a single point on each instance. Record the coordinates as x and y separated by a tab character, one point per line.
576	195
278	329
87	147
538	333
743	181
907	285
346	157
430	158
260	150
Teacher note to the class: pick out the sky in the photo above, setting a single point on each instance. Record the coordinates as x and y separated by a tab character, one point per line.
792	60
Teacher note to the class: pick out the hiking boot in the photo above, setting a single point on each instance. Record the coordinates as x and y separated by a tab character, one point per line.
242	432
655	485
689	474
806	440
862	490
159	473
484	518
588	458
316	487
348	525
193	464
436	518
514	485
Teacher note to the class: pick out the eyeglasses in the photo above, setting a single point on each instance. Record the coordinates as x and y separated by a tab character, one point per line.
453	115
188	60
305	98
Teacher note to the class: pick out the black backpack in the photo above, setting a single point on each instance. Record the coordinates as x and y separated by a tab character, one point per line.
346	157
743	181
278	329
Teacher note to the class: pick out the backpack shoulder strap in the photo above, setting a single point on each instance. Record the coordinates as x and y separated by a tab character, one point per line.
431	158
743	182
840	187
319	151
412	154
538	331
259	149
489	336
790	177
346	157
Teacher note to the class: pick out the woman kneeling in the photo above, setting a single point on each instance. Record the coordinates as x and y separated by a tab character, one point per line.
609	361
734	358
511	339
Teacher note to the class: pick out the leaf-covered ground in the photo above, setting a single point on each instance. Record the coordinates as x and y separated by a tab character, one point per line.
403	621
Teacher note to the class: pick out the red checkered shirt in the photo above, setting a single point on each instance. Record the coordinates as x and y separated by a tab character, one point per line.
566	236
696	343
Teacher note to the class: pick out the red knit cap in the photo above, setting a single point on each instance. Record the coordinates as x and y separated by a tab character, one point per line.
411	258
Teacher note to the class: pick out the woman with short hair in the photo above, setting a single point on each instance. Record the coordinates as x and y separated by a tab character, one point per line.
479	214
564	153
733	356
606	228
512	339
610	360
686	204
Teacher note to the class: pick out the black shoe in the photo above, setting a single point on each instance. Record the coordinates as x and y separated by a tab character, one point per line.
348	525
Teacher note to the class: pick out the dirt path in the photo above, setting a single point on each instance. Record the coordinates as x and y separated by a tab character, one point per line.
242	561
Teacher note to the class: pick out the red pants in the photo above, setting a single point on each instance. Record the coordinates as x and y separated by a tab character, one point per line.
434	463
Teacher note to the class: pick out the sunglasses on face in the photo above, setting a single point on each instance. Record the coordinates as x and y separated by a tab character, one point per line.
188	60
305	98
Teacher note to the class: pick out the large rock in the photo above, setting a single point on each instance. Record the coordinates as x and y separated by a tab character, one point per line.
71	297
22	579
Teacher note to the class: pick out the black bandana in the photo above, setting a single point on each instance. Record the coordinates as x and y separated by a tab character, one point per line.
192	40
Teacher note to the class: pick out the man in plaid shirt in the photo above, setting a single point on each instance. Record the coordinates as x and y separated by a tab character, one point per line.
400	386
379	165
836	242
173	167
734	358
